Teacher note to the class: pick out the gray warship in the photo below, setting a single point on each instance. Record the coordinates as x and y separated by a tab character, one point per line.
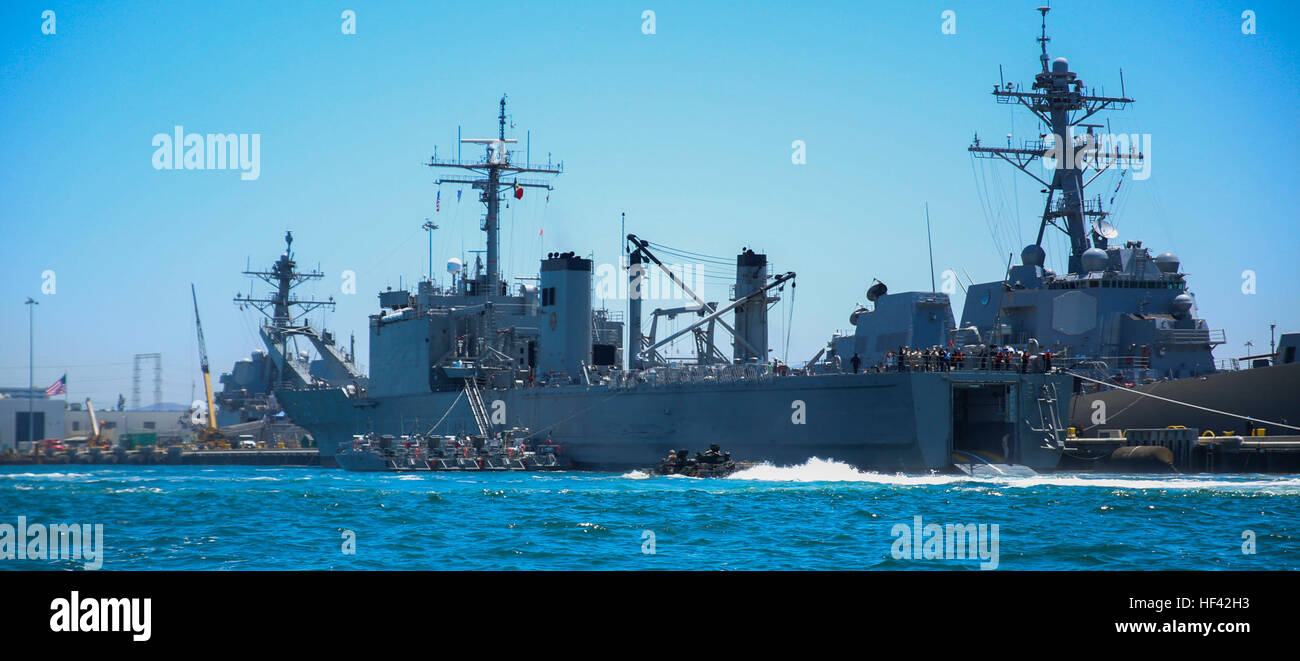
293	353
1121	320
539	356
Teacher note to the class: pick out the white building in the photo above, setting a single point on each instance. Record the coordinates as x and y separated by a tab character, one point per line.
52	417
168	425
46	421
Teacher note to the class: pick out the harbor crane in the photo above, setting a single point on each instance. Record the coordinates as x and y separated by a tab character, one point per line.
208	435
96	439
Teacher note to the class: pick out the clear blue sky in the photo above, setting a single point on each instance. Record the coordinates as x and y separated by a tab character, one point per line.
688	131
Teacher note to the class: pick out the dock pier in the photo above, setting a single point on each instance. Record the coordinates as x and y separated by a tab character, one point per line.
175	456
1185	450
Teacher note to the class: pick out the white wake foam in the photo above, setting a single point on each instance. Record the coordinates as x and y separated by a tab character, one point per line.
1281	484
48	476
830	470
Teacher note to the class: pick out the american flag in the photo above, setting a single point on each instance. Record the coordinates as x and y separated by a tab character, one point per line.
59	387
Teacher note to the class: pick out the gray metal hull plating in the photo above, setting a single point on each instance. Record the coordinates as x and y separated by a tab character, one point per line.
876	421
1266	393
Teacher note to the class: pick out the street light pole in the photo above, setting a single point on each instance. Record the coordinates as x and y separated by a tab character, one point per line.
31	372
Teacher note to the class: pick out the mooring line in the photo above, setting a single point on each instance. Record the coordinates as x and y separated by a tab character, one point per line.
1174	401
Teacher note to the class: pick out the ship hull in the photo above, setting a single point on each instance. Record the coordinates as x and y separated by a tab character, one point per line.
1265	394
879	421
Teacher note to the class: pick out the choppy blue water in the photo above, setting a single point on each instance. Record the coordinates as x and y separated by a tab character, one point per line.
821	515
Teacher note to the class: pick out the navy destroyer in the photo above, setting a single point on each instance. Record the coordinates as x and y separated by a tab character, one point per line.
539	356
1122	320
248	389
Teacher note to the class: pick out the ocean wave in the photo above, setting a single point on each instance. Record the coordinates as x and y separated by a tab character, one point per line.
830	470
47	476
1279	485
138	490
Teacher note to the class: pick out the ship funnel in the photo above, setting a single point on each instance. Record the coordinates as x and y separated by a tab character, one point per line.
751	316
565	315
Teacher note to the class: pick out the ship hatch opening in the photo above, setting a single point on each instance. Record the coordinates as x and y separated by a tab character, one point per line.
981	423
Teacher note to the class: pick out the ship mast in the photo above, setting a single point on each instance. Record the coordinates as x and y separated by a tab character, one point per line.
284	276
281	308
1061	102
493	172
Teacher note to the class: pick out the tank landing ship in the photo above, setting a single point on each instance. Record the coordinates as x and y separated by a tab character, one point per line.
481	355
1121	319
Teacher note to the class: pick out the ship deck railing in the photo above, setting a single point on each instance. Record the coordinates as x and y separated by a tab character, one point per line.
757	374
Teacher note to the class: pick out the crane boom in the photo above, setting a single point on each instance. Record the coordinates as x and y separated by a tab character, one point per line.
94	422
203	362
776	282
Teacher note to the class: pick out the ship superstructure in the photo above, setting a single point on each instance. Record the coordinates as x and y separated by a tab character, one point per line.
1118	311
1119	317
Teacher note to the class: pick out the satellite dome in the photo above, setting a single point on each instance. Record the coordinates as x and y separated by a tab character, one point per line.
454	265
853	316
1183	306
1060	65
876	291
1167	262
1095	259
1033	255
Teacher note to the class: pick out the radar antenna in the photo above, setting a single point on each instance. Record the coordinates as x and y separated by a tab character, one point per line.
492	172
1061	102
284	313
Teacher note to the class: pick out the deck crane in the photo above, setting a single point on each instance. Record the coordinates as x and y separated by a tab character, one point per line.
209	434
